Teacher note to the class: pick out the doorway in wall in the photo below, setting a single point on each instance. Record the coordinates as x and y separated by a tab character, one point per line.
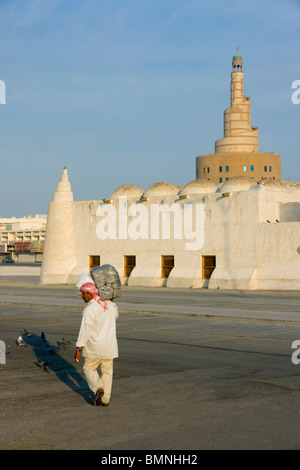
167	264
208	266
129	265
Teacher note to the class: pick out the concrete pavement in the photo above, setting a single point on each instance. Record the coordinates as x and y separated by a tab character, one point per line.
17	282
233	305
198	369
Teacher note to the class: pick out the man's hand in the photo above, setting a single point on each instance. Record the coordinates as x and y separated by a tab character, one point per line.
77	355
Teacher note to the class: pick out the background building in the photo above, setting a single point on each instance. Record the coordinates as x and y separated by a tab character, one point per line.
23	238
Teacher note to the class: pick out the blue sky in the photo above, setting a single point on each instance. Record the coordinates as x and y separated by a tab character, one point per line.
131	91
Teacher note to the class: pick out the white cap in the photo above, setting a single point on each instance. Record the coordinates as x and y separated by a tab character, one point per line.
84	278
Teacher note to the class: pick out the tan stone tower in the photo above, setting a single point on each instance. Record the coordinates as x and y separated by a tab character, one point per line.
236	154
59	253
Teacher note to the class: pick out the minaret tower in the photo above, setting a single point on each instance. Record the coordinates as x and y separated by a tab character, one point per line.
237	154
239	135
59	256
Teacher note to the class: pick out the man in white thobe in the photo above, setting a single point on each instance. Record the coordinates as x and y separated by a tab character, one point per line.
98	342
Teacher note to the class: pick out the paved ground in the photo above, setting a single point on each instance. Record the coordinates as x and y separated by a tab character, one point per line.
197	370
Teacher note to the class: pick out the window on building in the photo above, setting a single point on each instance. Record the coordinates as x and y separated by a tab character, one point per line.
208	266
270	168
94	261
265	168
167	264
220	169
227	179
208	169
129	265
227	169
245	168
251	167
220	180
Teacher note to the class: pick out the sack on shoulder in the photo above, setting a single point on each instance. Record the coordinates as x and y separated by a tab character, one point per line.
107	281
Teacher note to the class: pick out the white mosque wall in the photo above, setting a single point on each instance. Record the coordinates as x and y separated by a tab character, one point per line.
252	230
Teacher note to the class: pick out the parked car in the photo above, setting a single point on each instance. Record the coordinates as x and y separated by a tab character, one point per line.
8	260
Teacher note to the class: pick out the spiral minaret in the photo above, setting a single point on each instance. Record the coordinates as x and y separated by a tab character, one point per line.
239	135
237	154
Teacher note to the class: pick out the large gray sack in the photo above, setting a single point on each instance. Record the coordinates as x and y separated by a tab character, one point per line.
107	281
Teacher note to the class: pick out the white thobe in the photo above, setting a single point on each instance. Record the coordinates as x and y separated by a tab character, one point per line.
97	334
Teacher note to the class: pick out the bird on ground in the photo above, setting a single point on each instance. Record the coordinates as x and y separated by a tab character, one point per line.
43	336
66	341
50	350
20	341
43	365
26	333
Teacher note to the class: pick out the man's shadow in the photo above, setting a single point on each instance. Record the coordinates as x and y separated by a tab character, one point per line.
49	359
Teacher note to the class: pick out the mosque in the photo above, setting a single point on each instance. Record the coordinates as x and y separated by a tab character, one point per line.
236	226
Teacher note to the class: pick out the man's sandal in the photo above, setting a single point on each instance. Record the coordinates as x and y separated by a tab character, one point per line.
98	395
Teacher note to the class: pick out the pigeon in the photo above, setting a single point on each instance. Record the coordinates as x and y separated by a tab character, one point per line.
66	341
43	365
61	345
20	341
43	336
50	350
26	333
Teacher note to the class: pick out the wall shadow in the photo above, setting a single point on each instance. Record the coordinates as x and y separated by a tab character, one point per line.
49	358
